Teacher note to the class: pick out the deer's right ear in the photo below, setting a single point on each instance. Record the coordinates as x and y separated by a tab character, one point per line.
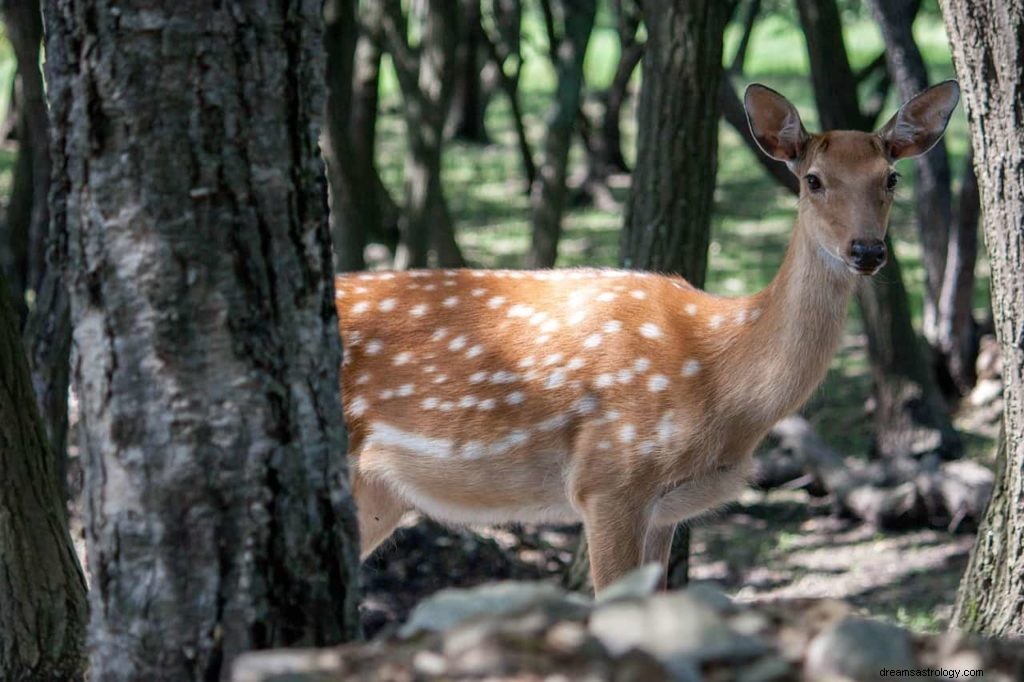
775	123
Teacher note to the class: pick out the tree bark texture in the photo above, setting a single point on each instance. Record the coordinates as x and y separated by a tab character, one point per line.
43	610
668	214
217	509
910	409
989	57
948	327
29	211
548	192
426	73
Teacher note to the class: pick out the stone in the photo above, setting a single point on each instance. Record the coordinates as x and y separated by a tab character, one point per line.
857	649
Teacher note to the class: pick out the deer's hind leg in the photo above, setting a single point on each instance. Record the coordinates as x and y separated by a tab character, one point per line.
379	510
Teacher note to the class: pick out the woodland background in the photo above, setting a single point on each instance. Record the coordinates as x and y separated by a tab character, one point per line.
484	133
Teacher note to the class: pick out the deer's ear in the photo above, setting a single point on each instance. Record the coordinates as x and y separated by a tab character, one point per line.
919	123
775	123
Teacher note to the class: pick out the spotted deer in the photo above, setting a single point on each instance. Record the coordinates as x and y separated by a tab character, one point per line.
628	400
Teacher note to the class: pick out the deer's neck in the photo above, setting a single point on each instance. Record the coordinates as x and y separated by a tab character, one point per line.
783	356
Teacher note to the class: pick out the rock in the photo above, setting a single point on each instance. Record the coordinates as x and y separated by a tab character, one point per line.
857	649
893	507
680	630
451	607
641	582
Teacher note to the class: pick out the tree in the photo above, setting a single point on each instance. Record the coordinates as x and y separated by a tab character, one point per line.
568	47
42	589
989	60
23	254
426	75
910	417
217	508
948	241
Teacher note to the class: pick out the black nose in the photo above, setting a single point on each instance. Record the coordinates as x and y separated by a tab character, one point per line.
867	254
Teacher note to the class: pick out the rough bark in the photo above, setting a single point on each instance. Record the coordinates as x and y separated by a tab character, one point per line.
631	51
217	510
989	57
948	327
548	192
910	410
43	608
426	72
29	212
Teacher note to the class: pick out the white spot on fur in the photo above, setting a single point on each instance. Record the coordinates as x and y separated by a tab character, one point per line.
716	321
429	403
627	433
604	445
585	405
520	310
741	316
477	377
638	294
357	406
450	302
754	314
387	394
467	401
385	434
374	347
575	363
439	334
576	317
496	302
419	310
402	358
606	296
458	343
690	368
604	380
360	307
446	406
625	376
363	378
503	377
514	398
405	390
478	292
690	308
657	383
528	361
611	326
641	365
592	341
552	423
552	359
474	351
646	447
555	379
387	305
549	326
650	330
439	379
487	404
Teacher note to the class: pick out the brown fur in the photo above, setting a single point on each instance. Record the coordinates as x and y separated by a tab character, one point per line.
629	400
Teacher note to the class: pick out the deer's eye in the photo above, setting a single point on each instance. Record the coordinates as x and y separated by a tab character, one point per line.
813	182
892	181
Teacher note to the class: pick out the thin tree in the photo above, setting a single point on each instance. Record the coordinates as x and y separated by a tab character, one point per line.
426	75
948	239
989	59
217	511
569	24
910	417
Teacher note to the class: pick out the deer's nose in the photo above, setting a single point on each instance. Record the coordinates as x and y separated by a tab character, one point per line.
867	254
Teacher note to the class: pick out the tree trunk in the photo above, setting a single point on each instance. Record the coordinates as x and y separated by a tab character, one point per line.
426	75
217	509
933	197
43	608
989	59
547	194
668	215
631	51
958	330
470	98
341	31
24	24
14	245
911	411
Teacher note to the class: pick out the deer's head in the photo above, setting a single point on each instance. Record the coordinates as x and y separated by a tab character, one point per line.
847	178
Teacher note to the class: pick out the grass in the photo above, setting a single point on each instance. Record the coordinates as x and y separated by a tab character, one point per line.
753	216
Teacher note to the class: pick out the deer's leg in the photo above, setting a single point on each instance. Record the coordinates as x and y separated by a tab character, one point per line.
615	536
658	548
379	511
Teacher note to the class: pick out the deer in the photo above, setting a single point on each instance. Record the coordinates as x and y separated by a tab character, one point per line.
628	400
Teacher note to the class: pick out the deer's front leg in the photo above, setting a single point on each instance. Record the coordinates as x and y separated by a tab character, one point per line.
658	548
616	528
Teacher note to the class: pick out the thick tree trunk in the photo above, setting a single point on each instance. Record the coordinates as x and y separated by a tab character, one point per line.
217	509
43	609
668	216
933	197
470	98
426	75
989	59
14	239
911	411
548	192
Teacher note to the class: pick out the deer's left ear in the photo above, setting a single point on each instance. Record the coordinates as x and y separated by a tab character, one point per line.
919	123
